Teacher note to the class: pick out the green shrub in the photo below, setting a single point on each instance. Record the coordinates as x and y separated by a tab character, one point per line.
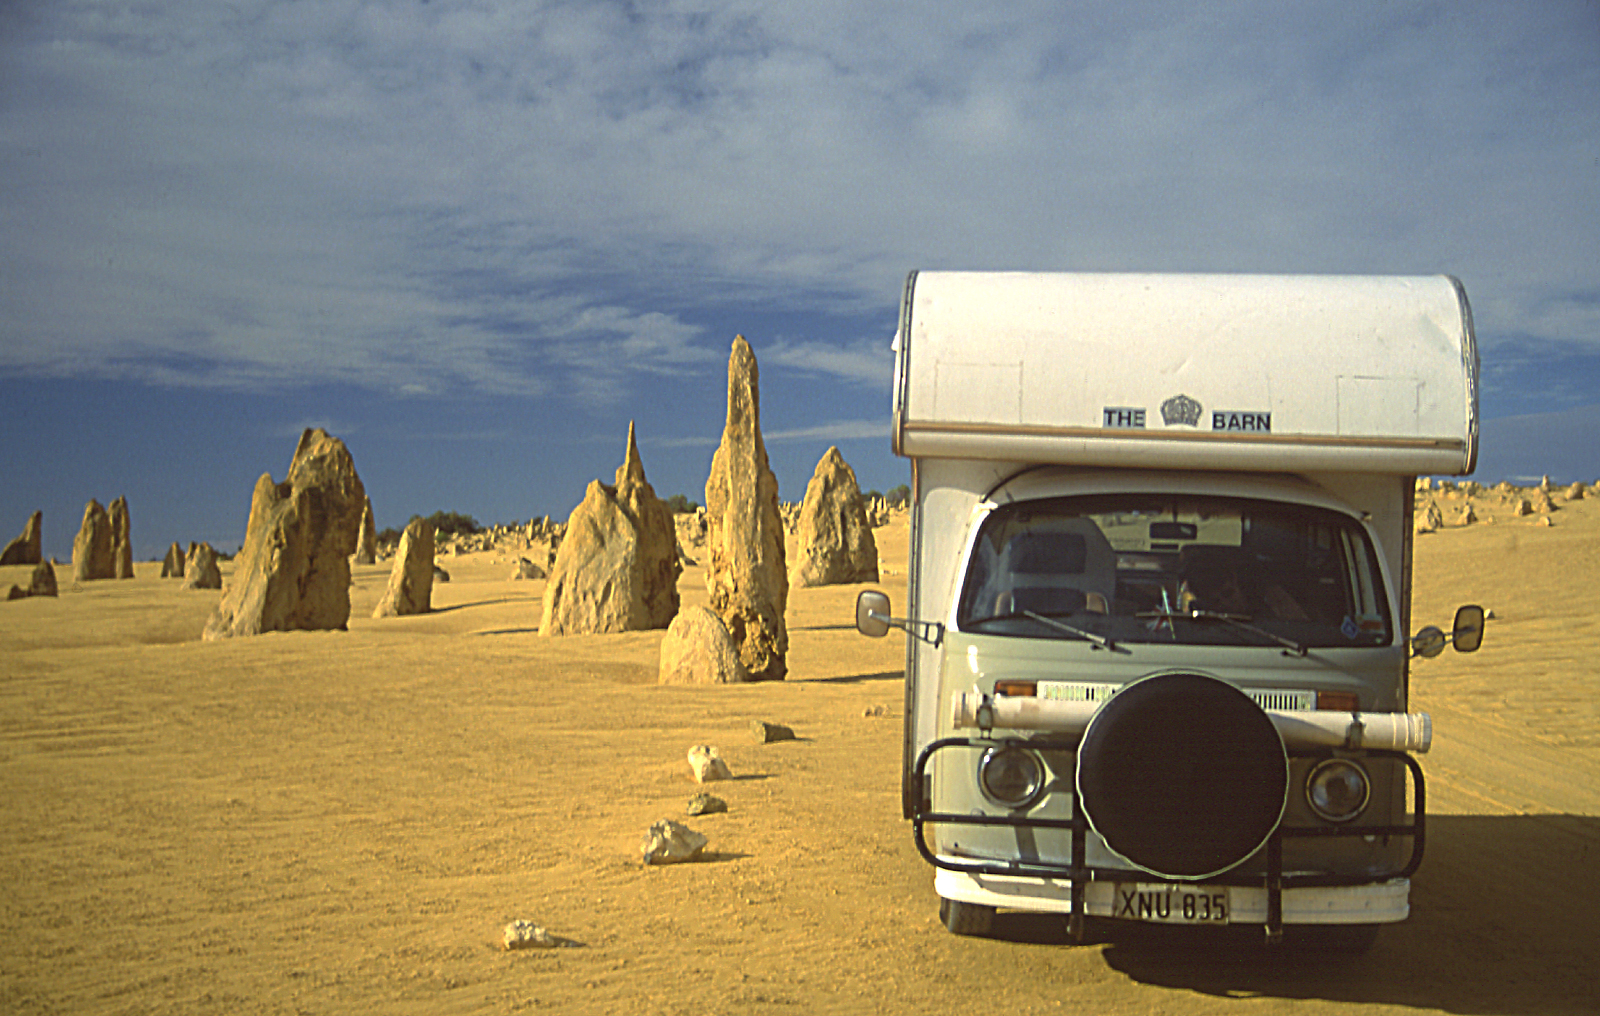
453	524
680	505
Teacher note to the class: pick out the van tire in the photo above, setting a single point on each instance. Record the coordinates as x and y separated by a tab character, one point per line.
966	918
1171	745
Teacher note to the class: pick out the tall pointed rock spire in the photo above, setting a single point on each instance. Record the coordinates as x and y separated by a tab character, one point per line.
746	576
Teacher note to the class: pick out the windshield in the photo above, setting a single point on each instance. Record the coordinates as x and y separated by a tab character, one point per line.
1191	569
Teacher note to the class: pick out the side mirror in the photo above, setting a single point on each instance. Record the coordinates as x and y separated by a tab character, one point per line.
1468	634
872	613
1427	643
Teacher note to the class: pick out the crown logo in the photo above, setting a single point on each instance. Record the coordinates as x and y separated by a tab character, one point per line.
1180	409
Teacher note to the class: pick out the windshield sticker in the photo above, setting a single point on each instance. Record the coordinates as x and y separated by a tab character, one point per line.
1124	418
1349	628
1254	422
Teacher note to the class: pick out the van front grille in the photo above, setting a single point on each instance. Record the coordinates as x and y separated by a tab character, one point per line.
1083	691
1283	700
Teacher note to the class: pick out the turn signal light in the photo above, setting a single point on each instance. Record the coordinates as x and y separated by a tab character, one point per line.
1026	689
1343	701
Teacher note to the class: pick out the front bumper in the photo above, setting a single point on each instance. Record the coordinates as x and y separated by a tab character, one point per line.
1378	903
1271	897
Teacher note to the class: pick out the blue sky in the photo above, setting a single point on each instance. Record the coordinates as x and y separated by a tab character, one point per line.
475	239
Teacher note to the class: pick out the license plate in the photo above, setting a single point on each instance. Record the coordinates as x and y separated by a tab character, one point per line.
1170	904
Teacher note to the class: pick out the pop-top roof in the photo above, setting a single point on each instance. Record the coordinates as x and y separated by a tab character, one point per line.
1253	372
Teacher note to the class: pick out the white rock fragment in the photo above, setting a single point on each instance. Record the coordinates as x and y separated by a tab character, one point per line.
707	764
668	842
527	935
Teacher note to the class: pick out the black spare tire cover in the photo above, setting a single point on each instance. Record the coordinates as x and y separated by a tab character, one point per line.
1182	775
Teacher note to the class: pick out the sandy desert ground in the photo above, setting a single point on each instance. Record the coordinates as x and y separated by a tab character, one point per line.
343	822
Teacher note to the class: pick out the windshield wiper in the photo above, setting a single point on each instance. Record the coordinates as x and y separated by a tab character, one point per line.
1099	640
1240	621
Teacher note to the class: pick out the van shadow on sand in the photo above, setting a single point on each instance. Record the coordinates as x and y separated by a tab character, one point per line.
1505	921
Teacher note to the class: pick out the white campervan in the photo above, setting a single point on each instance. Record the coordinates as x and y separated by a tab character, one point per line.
1161	528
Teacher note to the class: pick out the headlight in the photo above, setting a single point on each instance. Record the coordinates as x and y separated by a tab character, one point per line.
1337	789
1011	776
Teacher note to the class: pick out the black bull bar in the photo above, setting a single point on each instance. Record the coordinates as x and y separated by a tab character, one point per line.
1275	881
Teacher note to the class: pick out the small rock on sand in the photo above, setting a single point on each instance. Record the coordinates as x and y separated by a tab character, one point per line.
766	733
527	935
705	804
668	842
707	764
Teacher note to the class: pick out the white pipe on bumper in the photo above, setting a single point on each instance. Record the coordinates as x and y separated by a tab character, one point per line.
1322	728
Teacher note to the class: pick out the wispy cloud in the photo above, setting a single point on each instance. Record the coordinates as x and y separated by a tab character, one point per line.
836	430
549	200
695	441
833	431
869	362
